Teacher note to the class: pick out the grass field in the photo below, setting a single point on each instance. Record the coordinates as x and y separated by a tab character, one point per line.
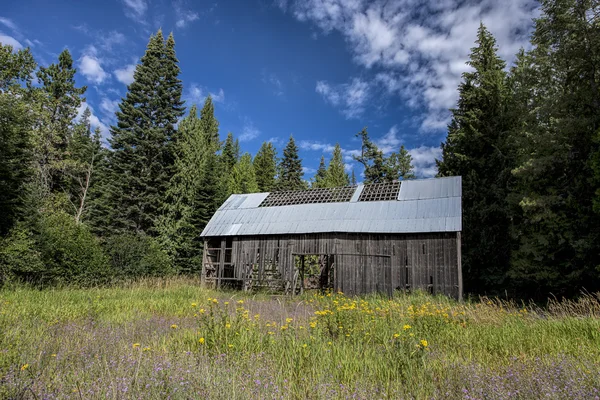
171	339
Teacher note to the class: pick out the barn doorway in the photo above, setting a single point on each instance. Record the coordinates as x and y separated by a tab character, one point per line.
313	272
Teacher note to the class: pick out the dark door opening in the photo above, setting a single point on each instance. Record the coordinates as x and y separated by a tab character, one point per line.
313	272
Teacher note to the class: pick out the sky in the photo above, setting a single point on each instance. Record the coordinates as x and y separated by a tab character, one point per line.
319	70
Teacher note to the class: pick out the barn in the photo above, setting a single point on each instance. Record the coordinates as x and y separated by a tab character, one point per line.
381	237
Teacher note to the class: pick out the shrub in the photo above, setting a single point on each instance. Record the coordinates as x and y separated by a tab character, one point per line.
19	258
136	256
70	253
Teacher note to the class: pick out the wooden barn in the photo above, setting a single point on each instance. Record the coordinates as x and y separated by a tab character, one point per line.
359	239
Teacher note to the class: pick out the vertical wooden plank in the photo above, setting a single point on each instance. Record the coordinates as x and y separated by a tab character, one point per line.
221	262
459	265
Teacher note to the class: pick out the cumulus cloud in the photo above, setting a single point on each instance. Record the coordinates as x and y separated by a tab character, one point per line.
109	107
218	97
350	97
308	170
315	146
424	160
389	142
418	48
11	41
90	66
111	39
125	74
196	94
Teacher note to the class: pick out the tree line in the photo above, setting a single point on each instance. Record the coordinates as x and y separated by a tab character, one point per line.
75	211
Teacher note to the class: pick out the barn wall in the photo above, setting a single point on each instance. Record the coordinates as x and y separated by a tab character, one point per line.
363	263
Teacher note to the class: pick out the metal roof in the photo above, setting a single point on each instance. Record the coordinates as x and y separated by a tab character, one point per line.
425	205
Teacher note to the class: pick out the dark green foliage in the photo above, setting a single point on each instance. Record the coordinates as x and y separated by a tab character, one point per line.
336	172
379	168
69	252
243	177
141	163
19	258
556	111
229	156
15	133
353	179
195	191
475	150
136	256
290	169
265	167
320	178
400	165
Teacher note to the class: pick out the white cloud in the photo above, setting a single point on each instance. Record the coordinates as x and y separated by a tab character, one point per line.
315	146
389	142
11	41
249	132
272	80
8	23
95	122
218	97
308	170
419	47
183	16
125	74
109	107
350	97
135	9
111	39
90	67
424	160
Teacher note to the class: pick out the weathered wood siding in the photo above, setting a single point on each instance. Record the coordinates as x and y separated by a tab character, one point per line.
363	263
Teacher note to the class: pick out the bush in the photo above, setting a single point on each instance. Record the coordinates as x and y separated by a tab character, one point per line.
136	256
19	258
70	253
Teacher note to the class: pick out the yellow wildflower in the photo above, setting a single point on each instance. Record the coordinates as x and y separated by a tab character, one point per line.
228	325
329	343
146	349
215	301
406	327
230	346
288	320
304	345
136	345
173	326
313	324
240	301
194	304
226	303
24	367
201	340
424	343
396	335
270	333
201	311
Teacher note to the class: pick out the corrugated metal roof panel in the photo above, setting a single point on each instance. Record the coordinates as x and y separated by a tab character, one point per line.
431	205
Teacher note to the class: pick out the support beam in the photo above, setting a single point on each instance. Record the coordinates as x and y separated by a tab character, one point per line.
459	265
221	263
203	266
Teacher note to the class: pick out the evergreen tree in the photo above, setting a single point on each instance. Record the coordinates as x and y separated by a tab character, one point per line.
372	159
142	158
265	167
15	132
353	179
290	169
60	100
336	173
400	165
320	178
475	149
187	211
243	178
229	155
556	107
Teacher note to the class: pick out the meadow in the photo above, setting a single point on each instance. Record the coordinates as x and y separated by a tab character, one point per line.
161	339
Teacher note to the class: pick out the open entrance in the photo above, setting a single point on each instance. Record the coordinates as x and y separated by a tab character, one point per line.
313	272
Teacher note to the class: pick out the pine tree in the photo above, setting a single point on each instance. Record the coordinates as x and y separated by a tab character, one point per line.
142	158
243	178
556	108
336	171
290	169
320	178
353	179
265	167
372	159
60	100
229	155
400	165
189	200
15	133
475	149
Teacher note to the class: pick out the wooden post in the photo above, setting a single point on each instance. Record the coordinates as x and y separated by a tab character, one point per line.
221	263
203	266
459	266
302	274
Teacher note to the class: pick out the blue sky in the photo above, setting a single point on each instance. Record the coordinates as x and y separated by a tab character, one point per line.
320	70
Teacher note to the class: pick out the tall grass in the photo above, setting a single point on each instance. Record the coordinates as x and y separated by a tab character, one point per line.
169	338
